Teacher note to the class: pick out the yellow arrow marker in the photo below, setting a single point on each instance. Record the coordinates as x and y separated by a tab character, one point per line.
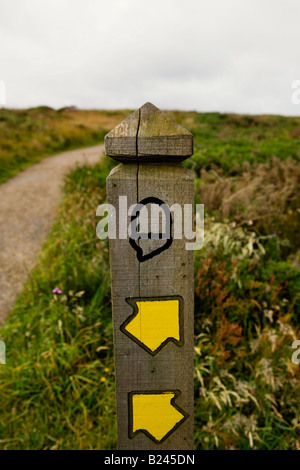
155	414
154	322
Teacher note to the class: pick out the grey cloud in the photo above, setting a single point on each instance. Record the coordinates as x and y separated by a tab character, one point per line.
189	54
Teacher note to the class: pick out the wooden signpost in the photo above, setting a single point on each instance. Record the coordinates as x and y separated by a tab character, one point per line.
152	283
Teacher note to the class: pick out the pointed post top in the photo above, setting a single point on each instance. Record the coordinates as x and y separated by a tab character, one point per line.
149	135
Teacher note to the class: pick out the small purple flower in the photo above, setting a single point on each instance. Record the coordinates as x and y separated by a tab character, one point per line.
56	290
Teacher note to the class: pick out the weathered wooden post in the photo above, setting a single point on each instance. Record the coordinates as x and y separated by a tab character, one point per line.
152	284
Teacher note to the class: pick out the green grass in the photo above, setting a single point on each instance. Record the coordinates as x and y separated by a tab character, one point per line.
28	135
223	140
57	388
229	140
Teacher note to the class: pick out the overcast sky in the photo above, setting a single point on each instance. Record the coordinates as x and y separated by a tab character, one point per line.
205	55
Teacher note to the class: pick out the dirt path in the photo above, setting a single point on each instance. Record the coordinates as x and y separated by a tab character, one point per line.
28	207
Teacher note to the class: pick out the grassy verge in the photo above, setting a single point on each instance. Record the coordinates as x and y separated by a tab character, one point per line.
57	388
229	141
28	135
226	141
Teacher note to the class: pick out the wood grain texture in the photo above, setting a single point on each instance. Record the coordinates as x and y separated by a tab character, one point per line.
163	371
160	136
168	274
121	140
149	135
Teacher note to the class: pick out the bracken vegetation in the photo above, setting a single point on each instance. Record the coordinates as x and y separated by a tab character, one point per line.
57	388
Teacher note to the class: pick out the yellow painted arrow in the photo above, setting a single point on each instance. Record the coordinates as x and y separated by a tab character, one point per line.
155	414
154	322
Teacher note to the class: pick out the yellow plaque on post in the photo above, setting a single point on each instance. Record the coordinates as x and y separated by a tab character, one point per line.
155	414
154	322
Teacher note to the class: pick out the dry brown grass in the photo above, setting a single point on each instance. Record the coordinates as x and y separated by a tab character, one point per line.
28	135
265	197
